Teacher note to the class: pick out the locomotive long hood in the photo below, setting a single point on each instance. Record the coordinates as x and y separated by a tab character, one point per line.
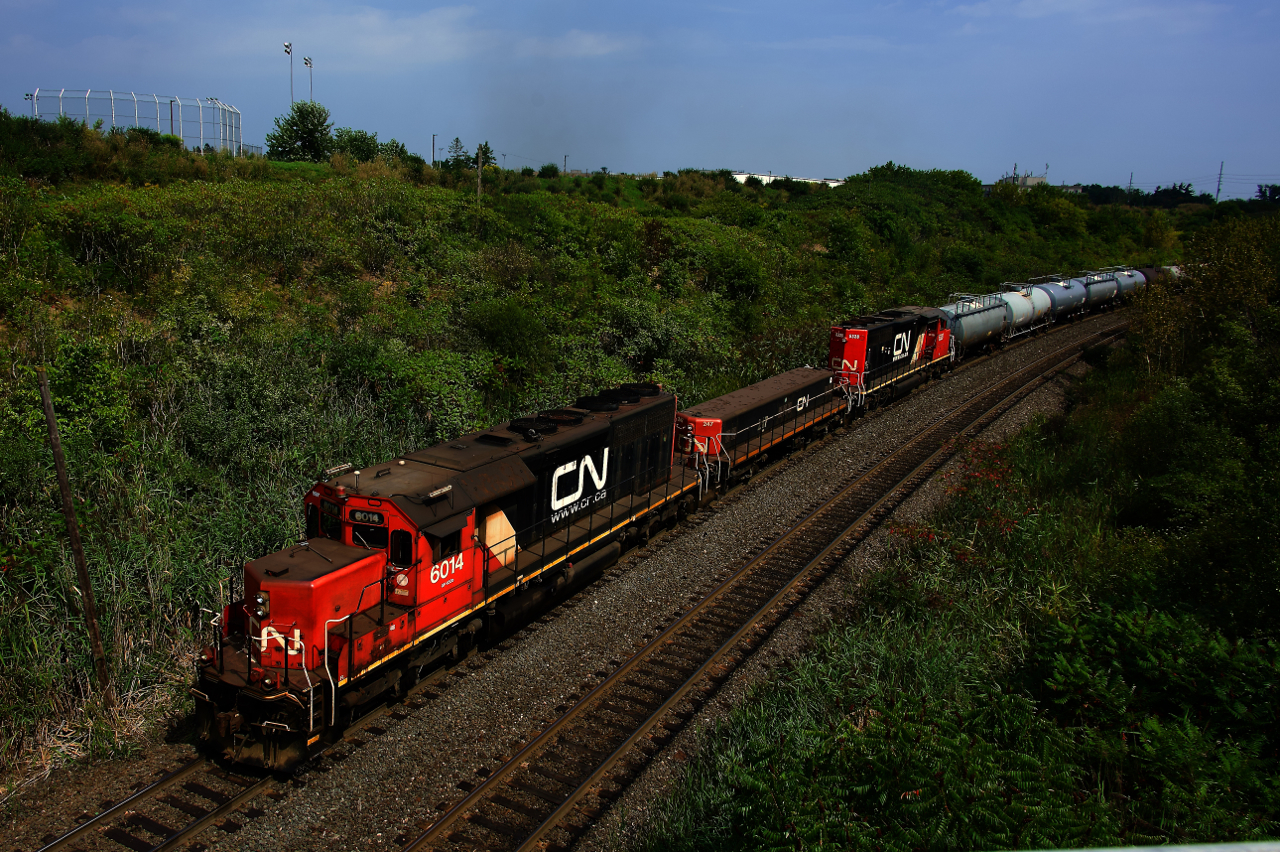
496	473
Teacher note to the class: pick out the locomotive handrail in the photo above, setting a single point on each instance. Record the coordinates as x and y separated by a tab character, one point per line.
333	704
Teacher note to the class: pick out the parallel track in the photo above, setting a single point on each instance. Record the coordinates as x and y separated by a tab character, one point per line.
544	795
204	793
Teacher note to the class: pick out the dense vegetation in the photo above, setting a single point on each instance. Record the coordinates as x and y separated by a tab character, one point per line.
220	330
1080	648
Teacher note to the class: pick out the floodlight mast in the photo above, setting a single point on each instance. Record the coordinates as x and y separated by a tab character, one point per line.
311	76
288	48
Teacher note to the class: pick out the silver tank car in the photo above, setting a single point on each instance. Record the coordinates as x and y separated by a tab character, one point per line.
1130	281
975	320
1067	297
1025	310
1100	288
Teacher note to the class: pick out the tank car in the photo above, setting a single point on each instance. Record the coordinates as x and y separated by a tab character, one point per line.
976	320
1026	310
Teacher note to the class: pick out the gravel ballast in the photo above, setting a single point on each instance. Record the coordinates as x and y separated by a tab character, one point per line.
399	781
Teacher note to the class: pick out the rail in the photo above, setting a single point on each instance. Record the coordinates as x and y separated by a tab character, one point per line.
694	653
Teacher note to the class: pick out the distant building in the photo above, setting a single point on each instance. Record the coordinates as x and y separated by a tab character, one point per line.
741	177
1025	182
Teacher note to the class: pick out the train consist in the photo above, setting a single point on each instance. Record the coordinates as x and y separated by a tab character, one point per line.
416	560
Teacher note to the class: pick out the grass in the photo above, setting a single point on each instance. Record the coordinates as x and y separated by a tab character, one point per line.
1029	669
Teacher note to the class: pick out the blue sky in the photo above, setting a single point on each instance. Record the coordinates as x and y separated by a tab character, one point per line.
1094	88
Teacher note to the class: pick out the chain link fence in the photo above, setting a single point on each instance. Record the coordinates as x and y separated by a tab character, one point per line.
205	124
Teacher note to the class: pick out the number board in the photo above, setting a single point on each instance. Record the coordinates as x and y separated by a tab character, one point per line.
362	517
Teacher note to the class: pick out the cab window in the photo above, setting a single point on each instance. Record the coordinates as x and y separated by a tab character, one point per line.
367	535
401	547
446	546
330	520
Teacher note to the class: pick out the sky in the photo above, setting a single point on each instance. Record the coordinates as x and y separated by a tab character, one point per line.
1096	90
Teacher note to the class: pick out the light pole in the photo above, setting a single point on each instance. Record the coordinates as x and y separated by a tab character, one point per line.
433	150
306	60
288	48
31	97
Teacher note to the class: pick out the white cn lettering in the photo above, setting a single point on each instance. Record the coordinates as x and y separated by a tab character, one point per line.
901	345
598	476
270	634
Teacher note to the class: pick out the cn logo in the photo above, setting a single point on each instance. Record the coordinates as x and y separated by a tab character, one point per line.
802	403
901	345
598	476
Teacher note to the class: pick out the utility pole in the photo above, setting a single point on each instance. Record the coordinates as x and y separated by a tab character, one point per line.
479	172
1130	193
77	548
1221	164
566	164
433	150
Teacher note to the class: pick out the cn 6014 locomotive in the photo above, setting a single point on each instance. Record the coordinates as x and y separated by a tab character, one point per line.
414	561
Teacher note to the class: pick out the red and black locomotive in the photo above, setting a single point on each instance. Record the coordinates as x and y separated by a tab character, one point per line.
414	561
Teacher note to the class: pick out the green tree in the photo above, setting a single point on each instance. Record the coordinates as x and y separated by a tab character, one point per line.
359	145
549	170
485	153
458	157
302	135
393	150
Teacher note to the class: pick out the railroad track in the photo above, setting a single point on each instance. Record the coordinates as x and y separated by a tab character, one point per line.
545	795
171	812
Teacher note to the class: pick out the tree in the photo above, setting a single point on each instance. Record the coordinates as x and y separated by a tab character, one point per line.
302	135
549	170
392	150
359	145
1269	192
485	153
458	157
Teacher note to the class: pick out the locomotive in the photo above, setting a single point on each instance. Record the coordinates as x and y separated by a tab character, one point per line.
415	561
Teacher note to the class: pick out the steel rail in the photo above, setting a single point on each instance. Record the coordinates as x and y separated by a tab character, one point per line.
227	808
920	471
201	823
1034	374
157	786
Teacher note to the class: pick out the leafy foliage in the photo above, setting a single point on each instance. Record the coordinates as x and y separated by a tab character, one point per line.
215	343
1080	649
302	135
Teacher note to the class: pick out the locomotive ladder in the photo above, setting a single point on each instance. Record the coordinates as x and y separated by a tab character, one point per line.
545	795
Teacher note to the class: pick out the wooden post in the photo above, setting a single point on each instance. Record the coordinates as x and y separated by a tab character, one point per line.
77	549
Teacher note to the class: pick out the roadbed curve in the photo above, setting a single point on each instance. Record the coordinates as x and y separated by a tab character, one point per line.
401	780
624	825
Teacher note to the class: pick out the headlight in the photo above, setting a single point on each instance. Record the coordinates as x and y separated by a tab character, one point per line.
261	604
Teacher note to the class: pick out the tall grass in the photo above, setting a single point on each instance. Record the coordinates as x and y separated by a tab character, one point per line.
1028	669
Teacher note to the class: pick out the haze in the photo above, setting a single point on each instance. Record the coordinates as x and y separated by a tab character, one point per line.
1097	90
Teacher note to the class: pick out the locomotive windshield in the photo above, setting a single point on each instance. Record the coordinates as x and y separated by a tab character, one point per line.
330	520
369	535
